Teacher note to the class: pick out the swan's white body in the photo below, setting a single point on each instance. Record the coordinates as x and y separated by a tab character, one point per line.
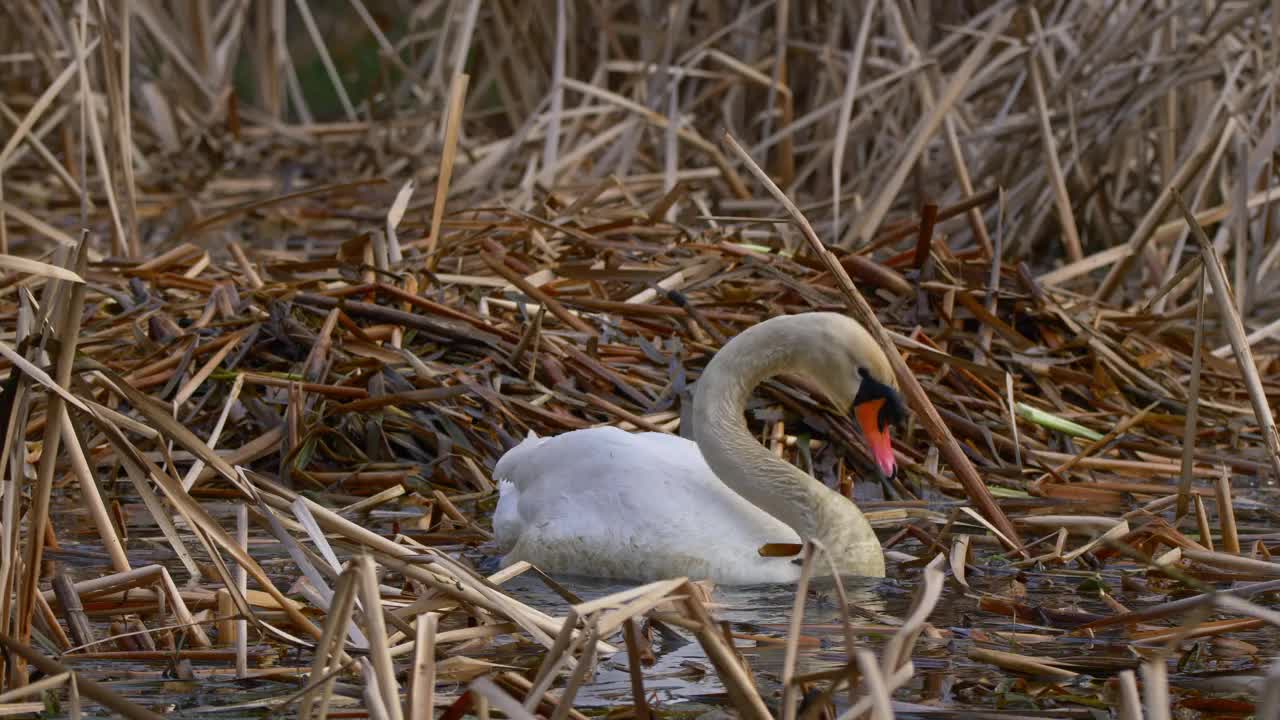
642	506
607	503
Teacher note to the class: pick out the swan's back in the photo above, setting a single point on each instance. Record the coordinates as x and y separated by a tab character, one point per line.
640	506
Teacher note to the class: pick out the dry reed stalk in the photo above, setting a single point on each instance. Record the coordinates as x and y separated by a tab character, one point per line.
36	142
897	652
43	102
40	686
562	653
242	587
211	535
123	149
1142	235
97	692
376	630
631	635
1020	663
1155	689
585	664
1130	703
1260	568
1235	331
91	498
877	688
163	520
226	624
457	98
394	555
89	116
72	609
869	223
1226	514
328	655
1061	198
846	107
423	684
1202	524
1106	441
737	682
489	690
198	466
789	688
138	578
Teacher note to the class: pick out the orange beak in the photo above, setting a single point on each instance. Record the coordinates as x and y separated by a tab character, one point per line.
868	414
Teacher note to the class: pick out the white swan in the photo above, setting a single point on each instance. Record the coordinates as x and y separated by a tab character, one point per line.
645	506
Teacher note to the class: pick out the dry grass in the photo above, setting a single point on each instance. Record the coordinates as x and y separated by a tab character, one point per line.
244	323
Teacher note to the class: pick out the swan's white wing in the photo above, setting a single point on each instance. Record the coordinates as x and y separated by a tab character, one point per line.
609	503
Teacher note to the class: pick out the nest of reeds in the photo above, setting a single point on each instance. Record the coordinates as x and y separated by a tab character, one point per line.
281	282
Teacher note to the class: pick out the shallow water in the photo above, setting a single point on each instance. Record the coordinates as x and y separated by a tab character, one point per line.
682	673
683	680
945	678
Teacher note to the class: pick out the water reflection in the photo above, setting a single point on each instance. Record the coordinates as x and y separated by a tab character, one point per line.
682	673
682	678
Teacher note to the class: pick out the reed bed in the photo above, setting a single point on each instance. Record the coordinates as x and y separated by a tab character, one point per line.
281	281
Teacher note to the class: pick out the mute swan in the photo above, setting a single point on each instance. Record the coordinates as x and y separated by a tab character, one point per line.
645	506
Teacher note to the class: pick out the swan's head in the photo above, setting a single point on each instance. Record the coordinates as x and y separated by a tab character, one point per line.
878	407
856	375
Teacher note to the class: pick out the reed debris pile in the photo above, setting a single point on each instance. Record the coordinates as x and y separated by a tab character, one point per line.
281	282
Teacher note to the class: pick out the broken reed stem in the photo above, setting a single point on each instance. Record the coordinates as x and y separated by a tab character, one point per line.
914	393
224	609
640	703
1202	524
1226	513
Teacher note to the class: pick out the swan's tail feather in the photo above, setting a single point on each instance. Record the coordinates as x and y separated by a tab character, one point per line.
509	474
509	464
506	517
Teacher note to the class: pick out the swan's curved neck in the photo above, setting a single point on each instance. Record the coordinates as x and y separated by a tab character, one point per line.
810	508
